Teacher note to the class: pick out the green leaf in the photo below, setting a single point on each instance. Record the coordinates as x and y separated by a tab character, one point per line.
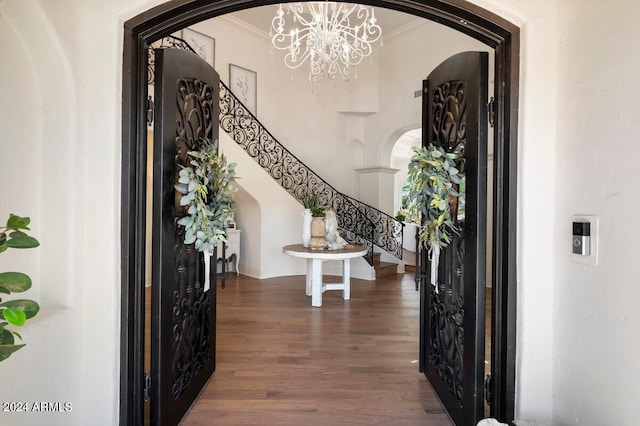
3	247
17	222
6	337
14	316
17	234
181	188
14	282
22	242
29	307
7	350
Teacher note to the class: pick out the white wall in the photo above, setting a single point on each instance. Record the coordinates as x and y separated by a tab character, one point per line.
406	61
536	204
595	311
40	179
47	134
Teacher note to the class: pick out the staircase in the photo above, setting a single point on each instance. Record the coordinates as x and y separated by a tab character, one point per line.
383	268
358	223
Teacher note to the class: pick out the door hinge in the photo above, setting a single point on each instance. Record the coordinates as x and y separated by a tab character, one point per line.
491	113
488	389
149	111
147	386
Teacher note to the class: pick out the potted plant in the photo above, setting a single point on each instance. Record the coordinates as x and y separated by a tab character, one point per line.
434	180
14	313
318	240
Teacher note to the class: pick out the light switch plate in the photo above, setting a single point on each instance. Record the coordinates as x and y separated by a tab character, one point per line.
592	258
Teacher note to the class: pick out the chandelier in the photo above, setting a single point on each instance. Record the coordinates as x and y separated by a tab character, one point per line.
333	37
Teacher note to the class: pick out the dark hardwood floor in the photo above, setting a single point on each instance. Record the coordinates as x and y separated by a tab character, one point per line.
282	362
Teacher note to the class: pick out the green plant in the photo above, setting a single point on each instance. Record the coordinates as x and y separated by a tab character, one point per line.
400	216
317	212
310	201
433	178
207	185
15	312
409	208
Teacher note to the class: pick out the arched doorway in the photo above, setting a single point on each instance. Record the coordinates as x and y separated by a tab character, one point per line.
494	31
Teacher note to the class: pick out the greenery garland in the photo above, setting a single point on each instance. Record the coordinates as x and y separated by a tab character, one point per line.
432	175
207	185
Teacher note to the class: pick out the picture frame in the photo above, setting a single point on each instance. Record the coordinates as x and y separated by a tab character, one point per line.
230	222
244	83
204	45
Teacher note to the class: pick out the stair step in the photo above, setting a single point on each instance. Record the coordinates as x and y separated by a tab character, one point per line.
376	258
385	268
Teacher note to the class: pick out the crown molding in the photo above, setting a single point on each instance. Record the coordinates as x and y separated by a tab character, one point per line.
405	29
241	25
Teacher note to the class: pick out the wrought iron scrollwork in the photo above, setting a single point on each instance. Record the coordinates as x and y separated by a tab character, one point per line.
446	312
190	319
358	222
447	320
191	305
450	118
387	232
164	42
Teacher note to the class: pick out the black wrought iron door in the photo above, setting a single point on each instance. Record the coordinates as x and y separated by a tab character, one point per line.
183	323
452	318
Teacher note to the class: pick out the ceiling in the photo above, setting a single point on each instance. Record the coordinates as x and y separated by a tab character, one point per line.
390	21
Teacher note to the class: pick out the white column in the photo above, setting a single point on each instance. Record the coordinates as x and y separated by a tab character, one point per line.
377	187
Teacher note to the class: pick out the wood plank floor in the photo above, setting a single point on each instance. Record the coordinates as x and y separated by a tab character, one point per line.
282	362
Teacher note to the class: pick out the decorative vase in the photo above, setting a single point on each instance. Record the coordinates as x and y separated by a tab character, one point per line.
318	240
306	227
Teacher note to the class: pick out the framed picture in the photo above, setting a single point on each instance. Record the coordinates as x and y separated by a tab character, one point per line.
204	45
243	83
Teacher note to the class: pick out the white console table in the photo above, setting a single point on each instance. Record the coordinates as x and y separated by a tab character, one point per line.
315	286
232	251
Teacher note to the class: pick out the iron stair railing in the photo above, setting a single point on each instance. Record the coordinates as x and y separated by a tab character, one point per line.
358	222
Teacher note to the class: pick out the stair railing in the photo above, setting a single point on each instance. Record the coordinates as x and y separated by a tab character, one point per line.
358	222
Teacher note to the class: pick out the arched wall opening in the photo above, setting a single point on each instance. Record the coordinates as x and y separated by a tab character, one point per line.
494	31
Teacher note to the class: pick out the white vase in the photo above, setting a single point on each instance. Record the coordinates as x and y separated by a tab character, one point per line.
306	227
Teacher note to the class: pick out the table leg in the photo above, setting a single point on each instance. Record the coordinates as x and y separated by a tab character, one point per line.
309	276
316	283
346	279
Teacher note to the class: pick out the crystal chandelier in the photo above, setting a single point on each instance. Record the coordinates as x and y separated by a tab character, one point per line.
323	33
